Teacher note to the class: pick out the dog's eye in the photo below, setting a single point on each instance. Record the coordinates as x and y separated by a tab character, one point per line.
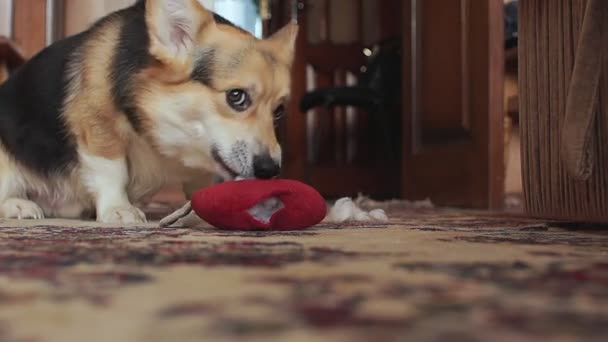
238	99
279	113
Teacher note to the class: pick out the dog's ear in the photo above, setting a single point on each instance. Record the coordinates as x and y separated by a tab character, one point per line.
173	26
283	42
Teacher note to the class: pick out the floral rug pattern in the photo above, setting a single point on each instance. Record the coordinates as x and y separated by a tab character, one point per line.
429	275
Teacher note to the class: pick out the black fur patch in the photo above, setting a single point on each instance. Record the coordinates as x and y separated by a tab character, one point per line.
203	70
31	127
132	55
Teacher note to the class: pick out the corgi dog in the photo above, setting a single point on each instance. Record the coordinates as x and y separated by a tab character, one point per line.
160	92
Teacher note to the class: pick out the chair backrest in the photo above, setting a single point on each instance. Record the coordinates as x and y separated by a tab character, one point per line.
332	148
383	70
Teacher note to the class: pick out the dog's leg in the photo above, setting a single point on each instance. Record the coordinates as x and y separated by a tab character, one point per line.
22	209
106	179
13	200
103	144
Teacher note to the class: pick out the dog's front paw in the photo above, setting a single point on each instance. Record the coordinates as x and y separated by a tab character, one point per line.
17	208
122	215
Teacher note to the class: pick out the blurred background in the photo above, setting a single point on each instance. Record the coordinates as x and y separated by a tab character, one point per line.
410	99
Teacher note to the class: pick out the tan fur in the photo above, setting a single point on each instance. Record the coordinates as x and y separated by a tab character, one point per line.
263	67
58	197
98	127
172	107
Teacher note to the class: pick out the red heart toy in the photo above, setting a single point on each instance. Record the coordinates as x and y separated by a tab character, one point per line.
278	204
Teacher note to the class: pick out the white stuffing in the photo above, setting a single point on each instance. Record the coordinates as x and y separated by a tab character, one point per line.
264	210
345	210
378	215
397	204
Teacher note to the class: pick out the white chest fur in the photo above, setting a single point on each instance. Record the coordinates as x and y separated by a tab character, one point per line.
149	171
70	197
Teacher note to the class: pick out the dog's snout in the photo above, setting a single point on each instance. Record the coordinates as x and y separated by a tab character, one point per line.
265	167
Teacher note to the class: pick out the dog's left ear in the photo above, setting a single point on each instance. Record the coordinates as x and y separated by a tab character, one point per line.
284	42
173	26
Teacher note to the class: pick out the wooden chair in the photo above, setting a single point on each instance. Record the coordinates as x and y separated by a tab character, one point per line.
330	136
378	93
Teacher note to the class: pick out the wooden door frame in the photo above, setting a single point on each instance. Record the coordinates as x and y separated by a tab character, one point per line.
36	24
29	25
294	125
429	171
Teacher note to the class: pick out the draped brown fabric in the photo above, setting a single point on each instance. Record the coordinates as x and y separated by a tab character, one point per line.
564	108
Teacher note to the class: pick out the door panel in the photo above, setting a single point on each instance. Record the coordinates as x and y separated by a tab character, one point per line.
453	115
443	70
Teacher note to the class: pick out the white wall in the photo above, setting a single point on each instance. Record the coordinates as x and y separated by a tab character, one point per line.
80	14
241	13
208	3
6	17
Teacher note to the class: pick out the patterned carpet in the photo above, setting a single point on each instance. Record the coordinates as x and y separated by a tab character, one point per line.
429	275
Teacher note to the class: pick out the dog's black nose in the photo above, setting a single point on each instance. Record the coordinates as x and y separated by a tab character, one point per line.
264	167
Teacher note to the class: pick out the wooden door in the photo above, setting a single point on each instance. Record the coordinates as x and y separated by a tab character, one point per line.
332	148
453	93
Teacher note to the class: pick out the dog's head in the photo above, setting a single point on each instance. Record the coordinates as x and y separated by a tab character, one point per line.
214	92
